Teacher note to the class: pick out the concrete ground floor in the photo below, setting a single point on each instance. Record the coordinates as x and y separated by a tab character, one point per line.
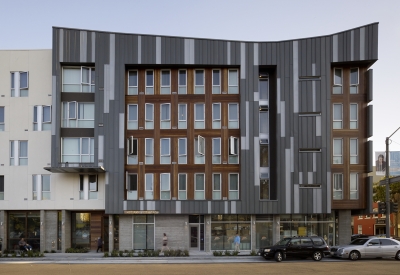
57	230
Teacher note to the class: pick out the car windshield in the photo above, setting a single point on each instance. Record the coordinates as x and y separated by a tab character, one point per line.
359	241
283	242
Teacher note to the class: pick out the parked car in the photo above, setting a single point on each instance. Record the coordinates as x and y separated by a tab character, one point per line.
372	247
356	236
299	247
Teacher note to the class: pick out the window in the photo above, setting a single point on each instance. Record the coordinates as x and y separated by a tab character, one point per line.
216	186
263	87
19	84
264	162
354	81
143	232
81	188
233	186
149	82
41	187
216	149
199	187
233	116
233	82
165	190
216	116
182	78
1	188
337	116
337	186
182	187
337	151
182	113
165	148
353	116
199	150
88	187
148	193
199	82
199	116
353	151
182	151
132	117
132	150
359	229
264	122
337	81
77	150
41	118
216	81
149	151
93	187
353	186
165	116
1	118
233	150
132	82
165	82
132	187
149	116
77	114
18	153
79	80
264	188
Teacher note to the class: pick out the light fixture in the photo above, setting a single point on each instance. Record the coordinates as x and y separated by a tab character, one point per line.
185	223
208	222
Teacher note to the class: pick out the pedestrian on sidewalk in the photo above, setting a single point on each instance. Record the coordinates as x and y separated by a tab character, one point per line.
164	243
236	241
99	244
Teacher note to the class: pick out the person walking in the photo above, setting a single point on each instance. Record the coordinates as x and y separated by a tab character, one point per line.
164	243
99	244
236	241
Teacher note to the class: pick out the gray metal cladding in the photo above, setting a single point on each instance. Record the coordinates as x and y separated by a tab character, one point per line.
302	115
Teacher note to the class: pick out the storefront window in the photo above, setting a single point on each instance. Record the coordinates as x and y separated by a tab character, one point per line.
264	233
24	225
225	227
143	232
81	230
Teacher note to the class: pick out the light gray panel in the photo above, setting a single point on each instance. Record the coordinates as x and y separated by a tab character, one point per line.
335	50
139	49
54	103
141	206
121	131
292	154
243	60
314	156
362	44
111	86
296	199
283	114
209	207
189	51
83	46
228	53
226	207
288	195
106	88
352	45
101	150
295	77
310	178
301	178
255	54
233	207
158	50
61	46
93	47
256	160
328	192
245	139
125	205
318	126
178	207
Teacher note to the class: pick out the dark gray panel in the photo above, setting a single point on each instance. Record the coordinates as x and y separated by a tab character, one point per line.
370	84
370	121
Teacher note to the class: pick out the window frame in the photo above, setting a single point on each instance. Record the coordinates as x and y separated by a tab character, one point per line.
216	150
199	154
72	116
233	123
165	118
217	192
199	88
216	121
164	176
182	193
16	87
231	191
233	150
354	151
354	86
182	89
132	124
132	150
216	87
149	87
81	154
337	186
83	86
353	120
2	118
2	181
337	121
232	87
165	89
337	157
199	123
165	157
149	182
182	123
337	87
131	191
182	157
354	186
149	156
149	122
133	89
199	194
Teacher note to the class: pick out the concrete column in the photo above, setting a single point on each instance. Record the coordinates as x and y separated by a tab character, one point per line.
253	233
110	233
125	232
3	228
66	230
276	229
42	231
344	227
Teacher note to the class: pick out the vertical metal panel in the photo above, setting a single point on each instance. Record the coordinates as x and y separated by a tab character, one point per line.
139	47
370	85
83	46
296	198
295	77
189	51
335	50
61	45
93	47
362	44
256	57
288	192
370	155
158	50
370	121
243	60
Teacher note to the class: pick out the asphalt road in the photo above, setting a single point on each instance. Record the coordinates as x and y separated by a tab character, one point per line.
269	267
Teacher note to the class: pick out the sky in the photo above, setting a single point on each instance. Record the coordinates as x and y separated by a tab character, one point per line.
27	24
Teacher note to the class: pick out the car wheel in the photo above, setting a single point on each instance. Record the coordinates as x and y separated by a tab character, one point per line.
317	256
354	255
278	256
397	257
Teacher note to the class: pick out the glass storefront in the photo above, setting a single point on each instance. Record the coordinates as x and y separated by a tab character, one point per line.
225	227
24	225
264	230
80	230
143	232
116	232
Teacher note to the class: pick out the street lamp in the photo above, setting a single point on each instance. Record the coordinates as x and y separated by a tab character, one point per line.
387	221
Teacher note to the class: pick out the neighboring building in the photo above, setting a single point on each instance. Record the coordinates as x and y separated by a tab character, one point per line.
202	139
373	224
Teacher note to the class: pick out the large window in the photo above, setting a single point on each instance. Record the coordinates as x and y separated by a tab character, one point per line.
233	82
23	224
199	116
182	151
354	81
149	151
149	187
165	82
77	150
337	116
149	82
77	114
1	118
353	151
132	122
353	186
1	187
233	157
199	81
263	87
182	116
133	83
132	187
132	150
165	151
264	188
216	116
182	186
88	187
233	116
337	151
41	118
199	150
81	235
78	80
165	116
353	116
182	79
233	186
337	81
165	186
41	187
149	116
224	229
18	152
143	232
216	81
216	186
337	186
264	123
216	149
19	84
199	187
264	162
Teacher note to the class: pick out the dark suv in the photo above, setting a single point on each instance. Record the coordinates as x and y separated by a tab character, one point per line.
299	247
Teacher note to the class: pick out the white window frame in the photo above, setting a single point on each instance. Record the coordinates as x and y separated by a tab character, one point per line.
233	122
182	89
199	119
40	123
233	81
199	194
165	186
149	151
84	86
17	156
337	116
199	150
354	86
17	87
132	150
149	86
264	122
353	116
165	88
133	87
216	116
216	81
93	187
337	152
199	88
354	190
182	182
81	155
165	116
182	151
233	193
337	86
165	151
337	186
131	191
2	118
88	190
354	151
233	150
149	187
149	111
132	123
45	190
73	117
216	150
217	186
182	116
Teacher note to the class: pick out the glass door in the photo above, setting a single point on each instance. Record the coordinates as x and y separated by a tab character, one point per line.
194	237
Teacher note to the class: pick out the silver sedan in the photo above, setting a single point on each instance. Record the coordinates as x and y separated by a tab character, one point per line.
368	248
